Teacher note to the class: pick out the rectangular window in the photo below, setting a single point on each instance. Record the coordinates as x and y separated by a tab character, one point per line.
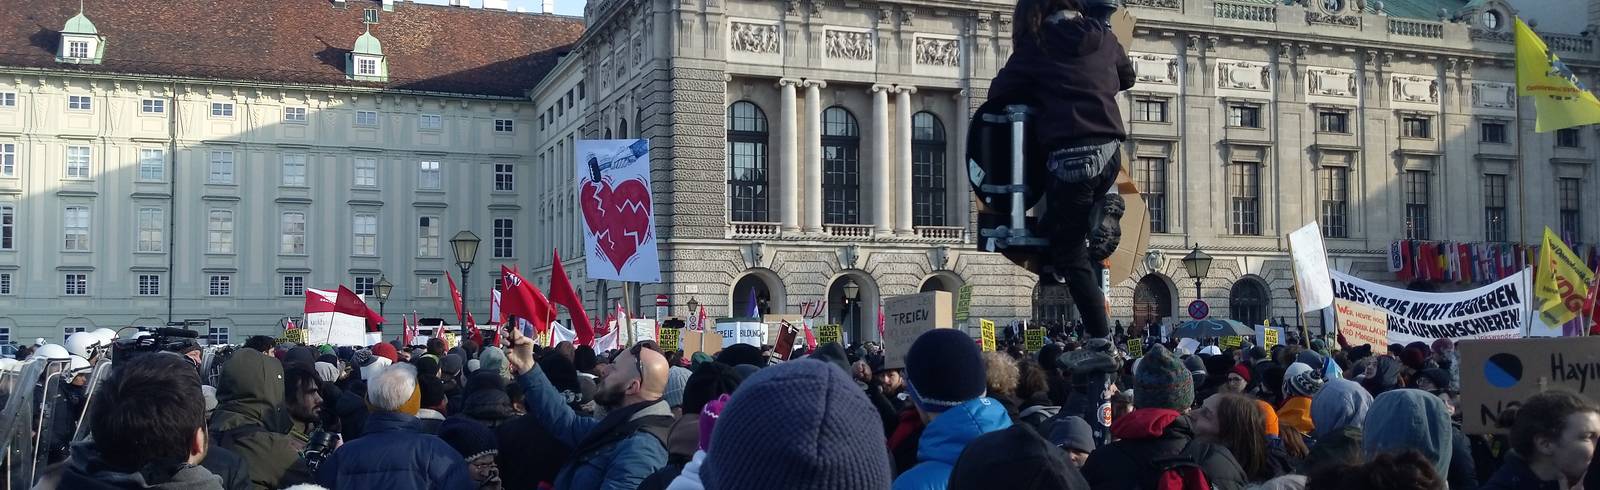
1244	193
8	227
1335	189
219	232
504	177
75	227
367	119
80	102
294	114
1416	127
365	285
429	176
152	106
76	284
1244	116
580	91
504	125
8	159
1333	122
1568	138
5	283
1494	208
78	49
503	234
365	230
152	230
428	287
152	164
149	285
430	121
294	286
1492	132
294	170
1416	191
292	227
1568	194
78	158
366	66
366	172
429	234
222	110
220	285
8	99
1151	175
221	170
1150	110
218	335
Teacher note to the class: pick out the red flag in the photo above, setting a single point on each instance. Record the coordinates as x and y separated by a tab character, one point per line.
562	293
455	296
522	299
321	301
880	321
349	303
288	324
475	334
405	331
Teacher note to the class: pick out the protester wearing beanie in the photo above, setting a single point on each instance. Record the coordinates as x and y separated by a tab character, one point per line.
677	377
1299	388
1015	458
829	437
1072	434
478	447
393	454
1163	390
946	378
431	416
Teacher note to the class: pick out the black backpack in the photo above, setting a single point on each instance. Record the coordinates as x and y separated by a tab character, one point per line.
1181	471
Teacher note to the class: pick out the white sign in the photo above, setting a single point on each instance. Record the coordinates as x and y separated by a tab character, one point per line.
1311	268
613	189
1496	311
643	329
732	332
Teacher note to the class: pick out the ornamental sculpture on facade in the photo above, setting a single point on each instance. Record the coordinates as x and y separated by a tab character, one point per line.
1242	75
1414	88
753	38
940	52
850	45
1155	68
1331	82
1494	95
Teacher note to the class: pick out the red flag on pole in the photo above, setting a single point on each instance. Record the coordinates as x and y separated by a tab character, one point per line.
405	330
521	299
562	293
349	303
880	321
455	296
472	330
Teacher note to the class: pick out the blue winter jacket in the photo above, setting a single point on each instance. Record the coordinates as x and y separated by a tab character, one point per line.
394	454
944	438
622	466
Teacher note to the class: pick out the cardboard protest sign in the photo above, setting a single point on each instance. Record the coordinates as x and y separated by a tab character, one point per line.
1501	373
986	333
1033	339
1189	345
964	303
830	333
741	332
1313	288
775	324
1498	310
707	341
669	339
1267	337
785	343
1231	342
1362	324
643	329
906	317
1136	348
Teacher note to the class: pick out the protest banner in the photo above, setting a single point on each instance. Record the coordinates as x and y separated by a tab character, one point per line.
986	333
1362	324
1230	342
1033	339
741	331
908	316
613	188
669	339
1312	287
1136	348
830	333
964	303
1498	310
1500	373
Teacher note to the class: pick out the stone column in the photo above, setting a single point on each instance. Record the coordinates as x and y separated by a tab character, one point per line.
956	168
883	172
902	208
789	157
813	177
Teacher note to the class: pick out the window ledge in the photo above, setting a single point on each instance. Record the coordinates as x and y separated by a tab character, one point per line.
158	252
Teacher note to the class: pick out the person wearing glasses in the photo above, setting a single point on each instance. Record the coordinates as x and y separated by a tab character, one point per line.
619	450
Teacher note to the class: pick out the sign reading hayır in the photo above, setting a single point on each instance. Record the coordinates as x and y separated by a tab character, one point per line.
1033	339
613	181
1362	324
906	317
1498	310
1499	374
986	333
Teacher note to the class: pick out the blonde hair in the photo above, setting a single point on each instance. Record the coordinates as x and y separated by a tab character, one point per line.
1003	375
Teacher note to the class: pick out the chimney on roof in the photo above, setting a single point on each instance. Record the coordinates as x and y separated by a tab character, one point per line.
549	6
496	4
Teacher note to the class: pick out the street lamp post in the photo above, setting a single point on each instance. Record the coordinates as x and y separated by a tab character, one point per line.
382	290
694	306
851	292
1198	264
465	246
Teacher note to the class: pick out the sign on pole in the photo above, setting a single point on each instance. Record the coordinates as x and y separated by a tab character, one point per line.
1314	289
1500	373
986	330
908	316
964	303
1033	339
613	189
1362	324
1267	337
1199	310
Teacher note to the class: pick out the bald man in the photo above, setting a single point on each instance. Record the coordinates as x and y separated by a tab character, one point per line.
614	453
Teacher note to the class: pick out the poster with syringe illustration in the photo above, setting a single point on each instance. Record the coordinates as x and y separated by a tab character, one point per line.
613	180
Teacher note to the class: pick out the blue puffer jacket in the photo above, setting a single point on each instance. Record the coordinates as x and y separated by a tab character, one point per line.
395	455
621	466
945	437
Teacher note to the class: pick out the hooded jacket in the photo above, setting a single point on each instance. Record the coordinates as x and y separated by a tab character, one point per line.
620	464
1340	404
395	455
944	438
1409	419
86	470
1072	70
1147	433
486	401
248	421
1514	474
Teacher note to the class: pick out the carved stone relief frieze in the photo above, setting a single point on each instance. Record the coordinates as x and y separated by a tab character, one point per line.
1414	89
753	38
849	45
1155	68
938	51
1243	75
1494	95
1330	82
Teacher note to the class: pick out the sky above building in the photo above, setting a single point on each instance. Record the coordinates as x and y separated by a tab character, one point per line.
563	7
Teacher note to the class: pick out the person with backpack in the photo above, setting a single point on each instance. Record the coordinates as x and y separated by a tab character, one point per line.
618	451
945	375
1156	447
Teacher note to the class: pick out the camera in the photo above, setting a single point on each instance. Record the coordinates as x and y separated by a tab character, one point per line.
164	339
318	447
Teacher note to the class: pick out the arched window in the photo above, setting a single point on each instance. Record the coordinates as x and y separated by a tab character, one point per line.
622	128
927	170
747	162
1152	302
1248	301
1052	303
608	133
841	167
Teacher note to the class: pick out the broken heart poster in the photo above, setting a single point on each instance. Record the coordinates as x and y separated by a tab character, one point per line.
619	224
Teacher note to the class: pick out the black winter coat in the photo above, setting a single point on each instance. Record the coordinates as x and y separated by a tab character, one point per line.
1148	433
1070	71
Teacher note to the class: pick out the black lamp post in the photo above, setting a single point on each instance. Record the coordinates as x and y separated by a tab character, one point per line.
465	246
694	308
382	290
1198	264
851	292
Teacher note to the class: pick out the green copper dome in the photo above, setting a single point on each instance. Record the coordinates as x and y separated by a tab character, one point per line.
366	44
79	24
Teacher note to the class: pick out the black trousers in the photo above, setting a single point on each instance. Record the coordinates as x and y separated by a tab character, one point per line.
1070	214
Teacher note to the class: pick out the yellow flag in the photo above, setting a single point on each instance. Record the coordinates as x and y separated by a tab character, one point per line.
1563	281
1559	99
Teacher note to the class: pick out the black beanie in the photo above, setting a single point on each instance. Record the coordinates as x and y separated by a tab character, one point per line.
1014	459
1048	355
737	354
712	380
583	358
834	354
432	390
944	369
561	373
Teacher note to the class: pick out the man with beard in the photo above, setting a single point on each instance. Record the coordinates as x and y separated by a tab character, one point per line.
302	393
620	450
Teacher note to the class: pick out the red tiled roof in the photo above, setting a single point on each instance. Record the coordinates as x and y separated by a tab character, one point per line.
429	47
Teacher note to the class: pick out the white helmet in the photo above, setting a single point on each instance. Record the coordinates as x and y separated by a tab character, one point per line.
78	365
106	334
51	351
84	344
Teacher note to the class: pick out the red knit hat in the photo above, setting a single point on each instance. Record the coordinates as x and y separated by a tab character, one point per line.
386	351
1243	371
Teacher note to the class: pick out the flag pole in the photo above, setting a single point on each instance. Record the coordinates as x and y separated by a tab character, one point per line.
1305	333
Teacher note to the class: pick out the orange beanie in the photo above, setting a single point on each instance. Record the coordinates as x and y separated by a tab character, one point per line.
1271	416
